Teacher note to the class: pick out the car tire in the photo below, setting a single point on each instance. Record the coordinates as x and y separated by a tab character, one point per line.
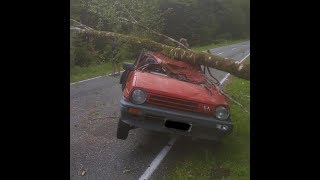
123	79
123	130
123	86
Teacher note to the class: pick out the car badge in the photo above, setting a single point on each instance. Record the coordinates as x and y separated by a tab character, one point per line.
206	108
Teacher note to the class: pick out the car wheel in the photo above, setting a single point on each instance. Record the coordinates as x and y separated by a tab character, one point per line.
123	130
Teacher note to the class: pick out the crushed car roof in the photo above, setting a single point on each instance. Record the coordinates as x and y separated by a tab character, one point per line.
192	72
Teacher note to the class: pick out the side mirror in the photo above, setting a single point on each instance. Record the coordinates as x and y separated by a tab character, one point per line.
128	66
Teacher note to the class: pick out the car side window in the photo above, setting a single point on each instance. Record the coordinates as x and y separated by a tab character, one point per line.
141	62
147	60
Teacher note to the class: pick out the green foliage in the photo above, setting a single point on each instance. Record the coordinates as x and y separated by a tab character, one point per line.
111	12
81	54
105	15
82	57
72	49
201	22
80	73
75	9
126	51
205	21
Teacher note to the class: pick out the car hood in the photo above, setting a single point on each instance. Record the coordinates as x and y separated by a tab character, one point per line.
166	86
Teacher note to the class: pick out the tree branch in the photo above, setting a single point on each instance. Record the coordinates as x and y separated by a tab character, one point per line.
135	22
229	97
81	25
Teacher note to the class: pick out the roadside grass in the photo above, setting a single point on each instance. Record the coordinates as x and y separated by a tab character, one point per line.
216	45
247	61
231	159
81	73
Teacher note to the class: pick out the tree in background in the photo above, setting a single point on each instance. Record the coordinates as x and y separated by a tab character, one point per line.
109	15
207	21
200	21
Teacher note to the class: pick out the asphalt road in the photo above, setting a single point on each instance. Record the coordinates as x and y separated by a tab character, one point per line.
235	51
96	153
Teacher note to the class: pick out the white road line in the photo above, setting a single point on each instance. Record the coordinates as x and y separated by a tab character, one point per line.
234	48
222	81
220	53
245	58
85	80
225	78
155	163
90	79
111	73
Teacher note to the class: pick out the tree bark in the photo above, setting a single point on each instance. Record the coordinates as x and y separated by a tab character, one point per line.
201	58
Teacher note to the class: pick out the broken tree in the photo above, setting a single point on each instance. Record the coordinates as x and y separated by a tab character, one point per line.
201	58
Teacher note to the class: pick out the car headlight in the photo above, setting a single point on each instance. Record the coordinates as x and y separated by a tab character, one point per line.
138	96
222	113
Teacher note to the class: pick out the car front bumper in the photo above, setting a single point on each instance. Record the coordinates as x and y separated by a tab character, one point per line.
157	119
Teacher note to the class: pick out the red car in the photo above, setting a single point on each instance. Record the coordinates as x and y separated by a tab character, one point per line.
166	95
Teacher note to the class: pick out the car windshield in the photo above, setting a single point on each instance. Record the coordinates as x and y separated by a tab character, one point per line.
183	73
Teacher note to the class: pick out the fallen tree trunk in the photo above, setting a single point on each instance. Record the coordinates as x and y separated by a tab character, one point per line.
201	58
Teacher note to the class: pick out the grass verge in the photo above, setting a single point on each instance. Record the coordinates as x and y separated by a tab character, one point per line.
231	159
247	60
80	73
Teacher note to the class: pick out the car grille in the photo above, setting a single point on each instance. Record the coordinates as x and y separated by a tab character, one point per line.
173	103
